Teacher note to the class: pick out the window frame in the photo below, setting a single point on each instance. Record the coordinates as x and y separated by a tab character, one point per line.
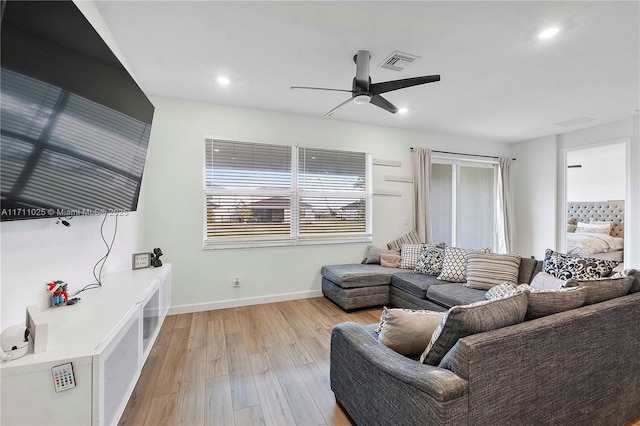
295	238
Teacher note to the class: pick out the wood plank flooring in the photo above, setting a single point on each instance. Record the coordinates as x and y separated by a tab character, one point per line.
255	365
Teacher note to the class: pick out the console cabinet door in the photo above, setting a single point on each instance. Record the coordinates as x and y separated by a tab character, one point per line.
116	366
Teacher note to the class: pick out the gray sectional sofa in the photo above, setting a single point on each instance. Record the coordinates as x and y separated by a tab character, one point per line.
356	286
580	366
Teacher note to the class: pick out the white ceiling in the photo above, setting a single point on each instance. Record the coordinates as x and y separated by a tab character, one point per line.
499	82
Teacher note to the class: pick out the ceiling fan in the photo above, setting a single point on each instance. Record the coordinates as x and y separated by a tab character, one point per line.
363	91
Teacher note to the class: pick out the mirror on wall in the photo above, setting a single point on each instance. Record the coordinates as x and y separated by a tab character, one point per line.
595	198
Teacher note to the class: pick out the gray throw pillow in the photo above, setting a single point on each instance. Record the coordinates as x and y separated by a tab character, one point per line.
478	317
552	301
373	254
602	289
635	287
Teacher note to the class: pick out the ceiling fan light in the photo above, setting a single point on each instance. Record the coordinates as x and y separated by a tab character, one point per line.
362	99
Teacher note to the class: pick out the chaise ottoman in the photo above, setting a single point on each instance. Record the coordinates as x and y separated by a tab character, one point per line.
356	286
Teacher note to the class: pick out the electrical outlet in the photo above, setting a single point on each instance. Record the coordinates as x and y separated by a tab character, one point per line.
236	282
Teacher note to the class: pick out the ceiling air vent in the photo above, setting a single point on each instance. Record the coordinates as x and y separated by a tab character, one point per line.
398	61
574	121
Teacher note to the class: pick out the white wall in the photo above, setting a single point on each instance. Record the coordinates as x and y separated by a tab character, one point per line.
539	189
202	279
34	252
602	175
535	186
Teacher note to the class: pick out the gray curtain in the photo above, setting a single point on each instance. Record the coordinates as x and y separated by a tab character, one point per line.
504	214
421	179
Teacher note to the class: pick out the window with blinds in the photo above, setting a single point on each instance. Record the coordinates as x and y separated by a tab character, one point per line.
260	194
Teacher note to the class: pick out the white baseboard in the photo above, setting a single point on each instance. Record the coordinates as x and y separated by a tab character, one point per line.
234	303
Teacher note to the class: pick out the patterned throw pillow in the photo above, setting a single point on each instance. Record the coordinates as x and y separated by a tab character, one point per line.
430	261
600	290
552	301
544	281
485	270
454	266
409	255
478	317
563	266
499	291
407	331
408	238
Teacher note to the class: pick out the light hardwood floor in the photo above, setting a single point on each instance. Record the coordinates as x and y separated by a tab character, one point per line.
255	365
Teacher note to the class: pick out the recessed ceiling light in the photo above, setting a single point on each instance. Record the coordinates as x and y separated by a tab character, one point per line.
403	110
223	80
549	32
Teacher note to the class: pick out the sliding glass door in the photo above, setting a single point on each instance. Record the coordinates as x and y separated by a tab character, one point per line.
463	203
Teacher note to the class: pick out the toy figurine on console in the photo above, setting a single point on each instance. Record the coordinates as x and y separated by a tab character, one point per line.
155	257
58	291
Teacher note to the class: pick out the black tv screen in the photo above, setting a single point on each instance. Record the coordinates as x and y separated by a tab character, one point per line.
75	125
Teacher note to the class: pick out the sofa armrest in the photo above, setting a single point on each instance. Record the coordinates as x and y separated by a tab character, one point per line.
379	386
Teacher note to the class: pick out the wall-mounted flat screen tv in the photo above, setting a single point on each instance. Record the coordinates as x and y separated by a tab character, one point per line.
75	125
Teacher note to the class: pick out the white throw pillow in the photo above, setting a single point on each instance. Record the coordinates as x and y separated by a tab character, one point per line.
544	281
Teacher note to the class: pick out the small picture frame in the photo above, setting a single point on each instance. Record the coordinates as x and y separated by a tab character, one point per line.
141	260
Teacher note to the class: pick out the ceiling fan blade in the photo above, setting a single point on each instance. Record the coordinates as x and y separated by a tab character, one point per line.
389	86
381	102
321	88
339	106
362	60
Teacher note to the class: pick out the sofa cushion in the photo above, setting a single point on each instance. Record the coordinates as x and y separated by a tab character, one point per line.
407	331
485	270
454	266
415	284
430	261
602	289
358	275
410	237
564	266
635	287
410	253
544	281
552	301
453	294
462	321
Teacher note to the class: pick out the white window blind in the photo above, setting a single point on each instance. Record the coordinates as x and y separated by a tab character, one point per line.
260	194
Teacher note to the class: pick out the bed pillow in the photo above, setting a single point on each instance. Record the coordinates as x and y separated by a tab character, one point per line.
564	266
552	301
465	320
544	281
593	228
430	261
390	260
454	265
571	228
485	270
407	331
410	254
603	289
408	238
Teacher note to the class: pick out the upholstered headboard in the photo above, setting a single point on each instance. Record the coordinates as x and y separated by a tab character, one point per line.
606	211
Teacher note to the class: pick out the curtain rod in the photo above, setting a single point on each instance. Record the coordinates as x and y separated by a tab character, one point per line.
470	155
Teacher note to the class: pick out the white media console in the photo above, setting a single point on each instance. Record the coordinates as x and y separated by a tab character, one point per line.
106	338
